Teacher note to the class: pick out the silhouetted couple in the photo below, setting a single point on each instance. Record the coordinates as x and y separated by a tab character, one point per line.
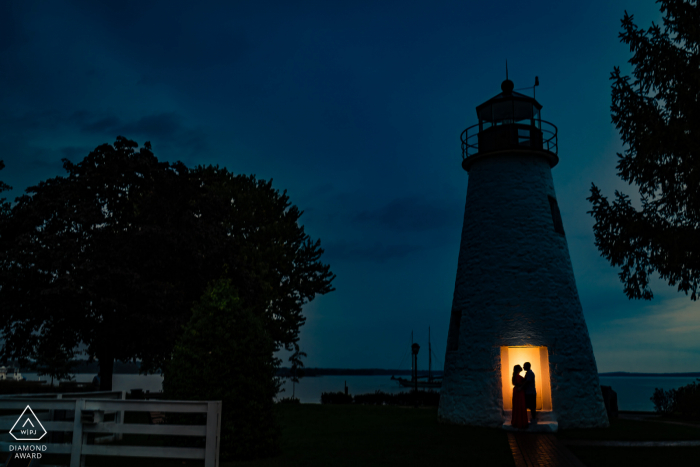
524	396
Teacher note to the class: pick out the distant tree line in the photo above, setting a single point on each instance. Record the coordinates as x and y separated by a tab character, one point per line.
287	372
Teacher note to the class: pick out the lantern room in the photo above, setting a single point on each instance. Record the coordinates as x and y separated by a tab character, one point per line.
507	121
507	108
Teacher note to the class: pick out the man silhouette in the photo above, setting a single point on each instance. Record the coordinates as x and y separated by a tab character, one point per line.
530	392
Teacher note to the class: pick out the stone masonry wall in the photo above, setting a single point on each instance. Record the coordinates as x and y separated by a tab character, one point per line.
515	286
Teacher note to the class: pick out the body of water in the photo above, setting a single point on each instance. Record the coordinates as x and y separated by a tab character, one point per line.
633	392
119	382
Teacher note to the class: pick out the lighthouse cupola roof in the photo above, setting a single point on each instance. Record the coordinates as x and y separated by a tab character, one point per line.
508	107
509	121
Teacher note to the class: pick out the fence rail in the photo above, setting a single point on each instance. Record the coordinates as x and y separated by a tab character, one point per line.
45	407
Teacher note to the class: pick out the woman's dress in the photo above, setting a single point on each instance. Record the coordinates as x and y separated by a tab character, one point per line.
519	419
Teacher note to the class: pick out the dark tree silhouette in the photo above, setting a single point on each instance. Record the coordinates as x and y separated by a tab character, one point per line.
51	358
114	255
273	263
89	258
4	205
226	354
297	367
658	116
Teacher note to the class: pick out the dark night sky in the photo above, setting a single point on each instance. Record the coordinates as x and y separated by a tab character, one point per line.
356	109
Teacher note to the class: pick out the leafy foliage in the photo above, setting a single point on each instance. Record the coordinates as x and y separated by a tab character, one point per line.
115	254
53	360
273	263
658	116
288	400
4	214
663	400
100	257
3	187
687	400
297	366
404	398
335	398
225	353
684	401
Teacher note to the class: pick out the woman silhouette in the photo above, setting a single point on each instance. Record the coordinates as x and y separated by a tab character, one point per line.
519	418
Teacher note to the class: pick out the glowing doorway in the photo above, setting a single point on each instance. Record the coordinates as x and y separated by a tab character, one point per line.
539	359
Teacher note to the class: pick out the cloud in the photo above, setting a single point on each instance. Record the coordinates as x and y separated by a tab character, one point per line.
675	323
164	129
101	126
74	153
377	252
412	214
31	121
661	338
163	125
12	32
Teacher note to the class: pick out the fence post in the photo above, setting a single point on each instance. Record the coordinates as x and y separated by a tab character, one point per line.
77	446
53	415
211	453
119	416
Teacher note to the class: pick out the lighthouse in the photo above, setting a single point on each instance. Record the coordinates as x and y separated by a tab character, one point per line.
515	297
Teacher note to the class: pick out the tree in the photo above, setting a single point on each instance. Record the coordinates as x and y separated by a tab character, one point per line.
226	353
272	262
109	256
658	116
52	359
114	255
3	187
297	367
4	206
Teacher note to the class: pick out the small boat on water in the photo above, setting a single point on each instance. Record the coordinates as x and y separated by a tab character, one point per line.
407	383
431	382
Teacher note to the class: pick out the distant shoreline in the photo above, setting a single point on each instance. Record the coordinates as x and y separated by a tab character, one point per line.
132	368
655	375
284	371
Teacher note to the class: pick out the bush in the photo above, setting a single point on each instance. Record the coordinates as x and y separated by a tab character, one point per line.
335	398
663	401
425	398
289	400
225	354
687	400
377	398
684	401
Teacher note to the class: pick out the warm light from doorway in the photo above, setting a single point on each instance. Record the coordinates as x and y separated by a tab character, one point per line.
539	359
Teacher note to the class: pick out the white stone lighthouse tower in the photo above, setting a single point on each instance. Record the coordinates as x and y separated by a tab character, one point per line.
515	297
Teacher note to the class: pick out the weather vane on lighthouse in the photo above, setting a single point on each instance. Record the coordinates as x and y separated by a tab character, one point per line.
515	298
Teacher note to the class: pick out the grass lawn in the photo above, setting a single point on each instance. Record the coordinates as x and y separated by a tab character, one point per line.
350	435
637	457
344	435
634	430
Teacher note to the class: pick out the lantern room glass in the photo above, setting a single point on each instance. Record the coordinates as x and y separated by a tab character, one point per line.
508	112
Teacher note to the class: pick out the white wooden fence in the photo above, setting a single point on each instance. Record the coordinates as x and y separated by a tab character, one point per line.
46	405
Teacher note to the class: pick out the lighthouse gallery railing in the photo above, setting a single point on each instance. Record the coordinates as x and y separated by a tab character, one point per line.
470	138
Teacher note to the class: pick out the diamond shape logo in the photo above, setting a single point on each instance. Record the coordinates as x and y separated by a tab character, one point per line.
28	427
